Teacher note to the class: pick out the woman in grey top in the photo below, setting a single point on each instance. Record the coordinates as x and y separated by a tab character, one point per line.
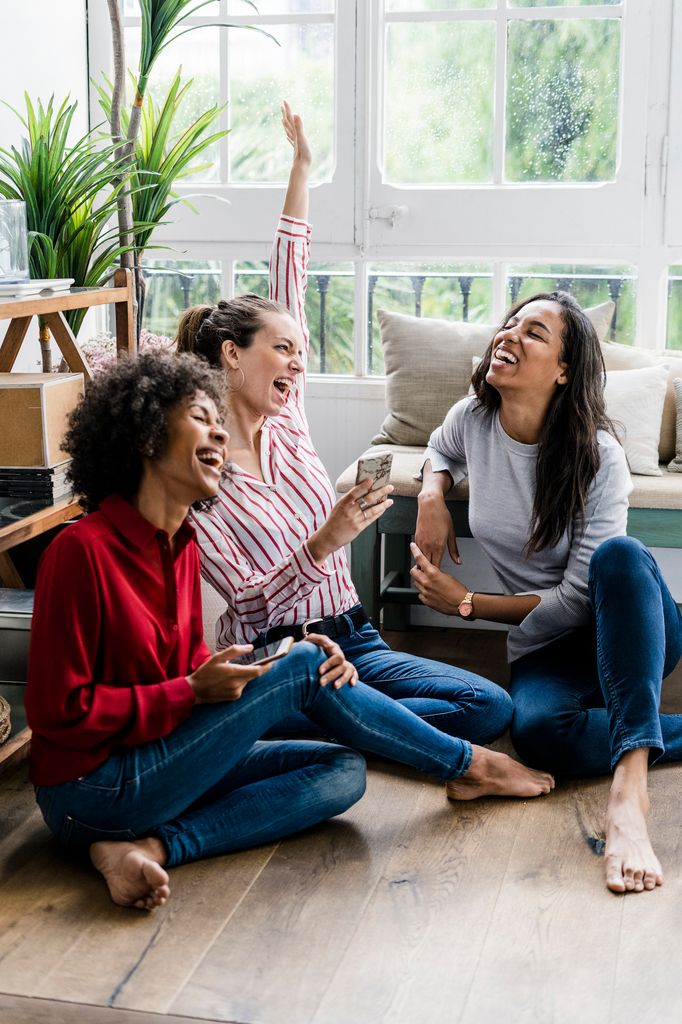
594	629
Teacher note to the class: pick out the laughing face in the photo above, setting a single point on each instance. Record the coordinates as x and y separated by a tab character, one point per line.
527	352
196	452
270	365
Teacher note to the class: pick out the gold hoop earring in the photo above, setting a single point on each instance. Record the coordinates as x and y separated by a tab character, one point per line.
230	387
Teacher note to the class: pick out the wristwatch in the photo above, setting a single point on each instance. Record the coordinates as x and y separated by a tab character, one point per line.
466	606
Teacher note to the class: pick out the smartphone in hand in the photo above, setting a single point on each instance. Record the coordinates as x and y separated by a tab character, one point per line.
266	654
375	467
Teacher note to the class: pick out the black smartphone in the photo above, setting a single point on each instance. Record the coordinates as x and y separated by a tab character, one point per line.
267	653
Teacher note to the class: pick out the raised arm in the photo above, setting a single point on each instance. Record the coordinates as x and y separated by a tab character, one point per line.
296	199
291	247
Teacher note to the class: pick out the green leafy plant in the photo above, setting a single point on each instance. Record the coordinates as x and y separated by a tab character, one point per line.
69	196
162	23
162	158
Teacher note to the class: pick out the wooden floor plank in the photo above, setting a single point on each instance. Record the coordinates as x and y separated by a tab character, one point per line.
273	962
420	938
647	987
24	1010
63	910
547	935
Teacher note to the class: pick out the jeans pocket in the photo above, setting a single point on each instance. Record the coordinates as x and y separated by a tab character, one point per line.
78	837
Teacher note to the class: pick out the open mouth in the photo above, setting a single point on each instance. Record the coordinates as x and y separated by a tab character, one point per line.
283	385
211	457
503	356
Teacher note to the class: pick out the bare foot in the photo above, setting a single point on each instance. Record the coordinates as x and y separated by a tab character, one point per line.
133	872
631	864
494	774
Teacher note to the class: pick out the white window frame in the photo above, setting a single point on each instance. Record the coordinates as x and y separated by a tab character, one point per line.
629	222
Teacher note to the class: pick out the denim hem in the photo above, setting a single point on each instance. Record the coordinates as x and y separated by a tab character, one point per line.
652	744
468	758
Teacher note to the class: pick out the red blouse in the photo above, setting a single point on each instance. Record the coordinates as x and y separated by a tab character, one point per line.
116	631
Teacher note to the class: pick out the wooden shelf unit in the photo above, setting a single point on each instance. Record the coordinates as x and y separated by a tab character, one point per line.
20	311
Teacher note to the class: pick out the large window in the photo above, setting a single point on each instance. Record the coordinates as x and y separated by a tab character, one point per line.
466	153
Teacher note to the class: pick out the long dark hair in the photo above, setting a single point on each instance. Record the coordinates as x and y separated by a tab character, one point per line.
203	329
568	452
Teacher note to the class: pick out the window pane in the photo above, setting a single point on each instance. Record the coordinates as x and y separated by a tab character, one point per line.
674	335
197	54
563	3
439	102
562	100
451	292
266	7
329	307
300	69
173	286
440	5
589	285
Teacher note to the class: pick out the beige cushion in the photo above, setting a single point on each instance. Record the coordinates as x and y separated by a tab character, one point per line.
634	401
676	465
649	491
622	357
428	369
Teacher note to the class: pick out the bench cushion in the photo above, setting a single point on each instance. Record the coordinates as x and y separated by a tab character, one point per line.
649	491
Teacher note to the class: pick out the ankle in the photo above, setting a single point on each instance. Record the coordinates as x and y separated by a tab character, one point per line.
153	848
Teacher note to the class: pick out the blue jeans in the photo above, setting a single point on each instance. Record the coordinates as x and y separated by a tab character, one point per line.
582	702
210	787
451	699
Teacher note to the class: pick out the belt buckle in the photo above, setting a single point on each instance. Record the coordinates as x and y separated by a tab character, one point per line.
305	628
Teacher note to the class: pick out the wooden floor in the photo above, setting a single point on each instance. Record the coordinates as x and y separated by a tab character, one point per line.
406	909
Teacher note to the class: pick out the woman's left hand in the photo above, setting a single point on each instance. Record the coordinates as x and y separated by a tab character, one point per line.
293	126
437	589
335	669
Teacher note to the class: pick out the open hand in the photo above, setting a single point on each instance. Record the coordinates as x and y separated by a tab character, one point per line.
437	589
335	669
293	126
353	513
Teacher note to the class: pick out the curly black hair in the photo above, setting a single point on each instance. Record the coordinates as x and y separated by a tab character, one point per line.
124	415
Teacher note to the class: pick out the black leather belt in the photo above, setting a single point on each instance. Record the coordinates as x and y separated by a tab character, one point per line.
332	626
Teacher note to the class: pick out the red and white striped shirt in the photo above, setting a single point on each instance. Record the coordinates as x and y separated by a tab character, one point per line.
253	540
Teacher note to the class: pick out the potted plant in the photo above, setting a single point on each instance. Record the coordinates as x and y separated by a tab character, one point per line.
70	198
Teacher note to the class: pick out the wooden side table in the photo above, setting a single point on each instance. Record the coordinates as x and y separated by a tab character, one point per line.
52	308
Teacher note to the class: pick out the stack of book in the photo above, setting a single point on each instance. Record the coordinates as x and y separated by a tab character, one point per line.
36	482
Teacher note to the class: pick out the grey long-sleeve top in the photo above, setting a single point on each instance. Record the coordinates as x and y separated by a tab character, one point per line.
501	475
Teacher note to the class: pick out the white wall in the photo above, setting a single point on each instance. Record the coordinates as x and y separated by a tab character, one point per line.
44	53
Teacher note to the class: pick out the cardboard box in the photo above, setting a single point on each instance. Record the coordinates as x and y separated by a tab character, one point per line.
33	412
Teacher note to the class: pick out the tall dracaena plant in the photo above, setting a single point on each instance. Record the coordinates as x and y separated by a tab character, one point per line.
67	188
163	157
162	23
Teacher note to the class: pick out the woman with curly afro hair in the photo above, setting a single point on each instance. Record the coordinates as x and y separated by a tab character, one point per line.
146	749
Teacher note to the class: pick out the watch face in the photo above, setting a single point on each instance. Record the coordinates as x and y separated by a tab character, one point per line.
465	609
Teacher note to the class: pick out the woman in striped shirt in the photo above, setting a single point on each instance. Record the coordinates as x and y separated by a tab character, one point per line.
273	543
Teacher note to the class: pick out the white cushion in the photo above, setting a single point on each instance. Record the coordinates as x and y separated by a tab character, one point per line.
634	401
676	465
625	357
